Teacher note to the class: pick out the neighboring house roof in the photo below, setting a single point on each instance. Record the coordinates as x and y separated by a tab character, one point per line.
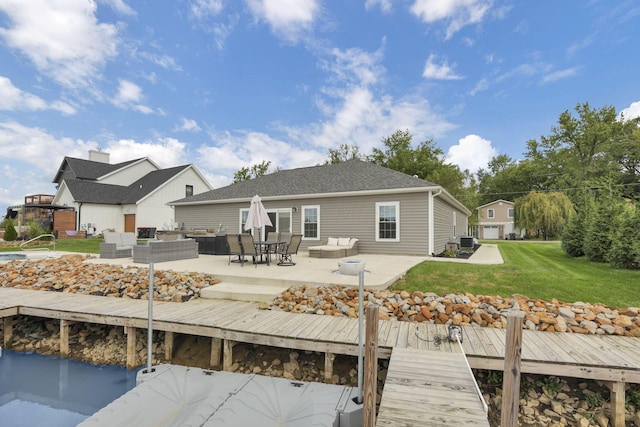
108	194
88	169
337	179
494	202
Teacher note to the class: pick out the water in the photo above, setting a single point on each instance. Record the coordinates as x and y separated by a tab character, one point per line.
37	390
11	257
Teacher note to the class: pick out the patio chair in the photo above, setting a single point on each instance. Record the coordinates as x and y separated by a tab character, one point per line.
234	248
272	236
285	237
286	251
248	247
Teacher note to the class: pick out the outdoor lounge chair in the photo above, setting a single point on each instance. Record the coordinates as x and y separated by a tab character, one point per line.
286	251
248	247
117	245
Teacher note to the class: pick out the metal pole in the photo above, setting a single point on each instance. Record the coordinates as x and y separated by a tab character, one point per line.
360	335
150	327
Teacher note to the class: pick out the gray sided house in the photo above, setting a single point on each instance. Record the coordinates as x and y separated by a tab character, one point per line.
387	211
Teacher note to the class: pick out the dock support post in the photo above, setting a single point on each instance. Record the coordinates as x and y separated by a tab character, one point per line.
328	366
131	346
168	346
216	353
511	377
227	358
371	368
8	331
617	395
64	337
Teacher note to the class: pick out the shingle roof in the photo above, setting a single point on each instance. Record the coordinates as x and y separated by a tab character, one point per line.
108	194
349	176
89	169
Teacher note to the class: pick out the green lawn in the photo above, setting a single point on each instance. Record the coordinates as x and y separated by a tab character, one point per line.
90	245
537	270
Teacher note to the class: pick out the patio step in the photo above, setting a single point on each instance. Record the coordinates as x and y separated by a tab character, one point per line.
242	291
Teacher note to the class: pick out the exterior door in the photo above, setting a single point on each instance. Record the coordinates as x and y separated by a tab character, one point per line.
129	223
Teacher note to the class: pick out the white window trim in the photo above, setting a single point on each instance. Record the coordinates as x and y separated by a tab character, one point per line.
491	213
240	219
377	227
511	212
302	209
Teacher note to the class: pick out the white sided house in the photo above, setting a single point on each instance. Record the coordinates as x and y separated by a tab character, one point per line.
389	212
125	196
496	221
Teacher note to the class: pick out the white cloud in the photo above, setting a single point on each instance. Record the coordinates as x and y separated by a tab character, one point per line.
14	99
288	19
202	9
120	6
164	61
385	5
63	39
441	71
354	66
559	75
229	152
472	152
631	112
166	152
481	86
37	147
129	96
187	125
458	13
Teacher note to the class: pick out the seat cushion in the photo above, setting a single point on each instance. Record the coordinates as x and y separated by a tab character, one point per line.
332	241
128	239
343	241
112	237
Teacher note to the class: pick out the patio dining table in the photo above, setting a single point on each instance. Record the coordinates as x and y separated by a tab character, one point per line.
266	248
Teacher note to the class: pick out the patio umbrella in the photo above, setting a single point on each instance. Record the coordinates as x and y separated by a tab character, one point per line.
257	217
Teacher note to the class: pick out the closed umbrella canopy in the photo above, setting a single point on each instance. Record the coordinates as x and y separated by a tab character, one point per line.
257	217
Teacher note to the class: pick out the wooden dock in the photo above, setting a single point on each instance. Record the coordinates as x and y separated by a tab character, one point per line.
429	388
612	359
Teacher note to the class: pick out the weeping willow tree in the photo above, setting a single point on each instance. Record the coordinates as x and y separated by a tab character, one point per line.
546	213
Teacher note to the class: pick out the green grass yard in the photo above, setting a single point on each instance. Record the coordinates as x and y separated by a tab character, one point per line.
535	269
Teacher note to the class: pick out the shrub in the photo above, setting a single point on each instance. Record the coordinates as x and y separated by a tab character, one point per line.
599	229
10	233
35	229
573	236
624	252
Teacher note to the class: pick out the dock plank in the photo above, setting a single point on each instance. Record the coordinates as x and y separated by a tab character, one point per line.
443	394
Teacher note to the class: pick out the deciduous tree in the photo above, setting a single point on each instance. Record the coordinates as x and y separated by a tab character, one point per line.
546	213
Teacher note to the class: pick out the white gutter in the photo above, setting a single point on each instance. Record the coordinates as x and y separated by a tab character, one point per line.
431	225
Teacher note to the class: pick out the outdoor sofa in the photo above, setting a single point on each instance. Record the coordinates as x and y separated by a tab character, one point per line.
335	247
165	250
117	245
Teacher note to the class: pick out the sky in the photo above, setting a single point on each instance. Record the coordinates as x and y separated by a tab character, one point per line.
226	84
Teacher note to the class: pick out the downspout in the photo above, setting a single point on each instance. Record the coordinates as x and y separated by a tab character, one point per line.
431	225
79	213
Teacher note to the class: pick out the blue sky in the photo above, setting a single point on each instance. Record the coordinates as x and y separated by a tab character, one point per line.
225	84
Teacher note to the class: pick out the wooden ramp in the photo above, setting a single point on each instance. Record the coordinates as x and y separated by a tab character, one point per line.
429	388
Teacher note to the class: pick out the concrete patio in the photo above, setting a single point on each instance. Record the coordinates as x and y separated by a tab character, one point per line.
263	282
